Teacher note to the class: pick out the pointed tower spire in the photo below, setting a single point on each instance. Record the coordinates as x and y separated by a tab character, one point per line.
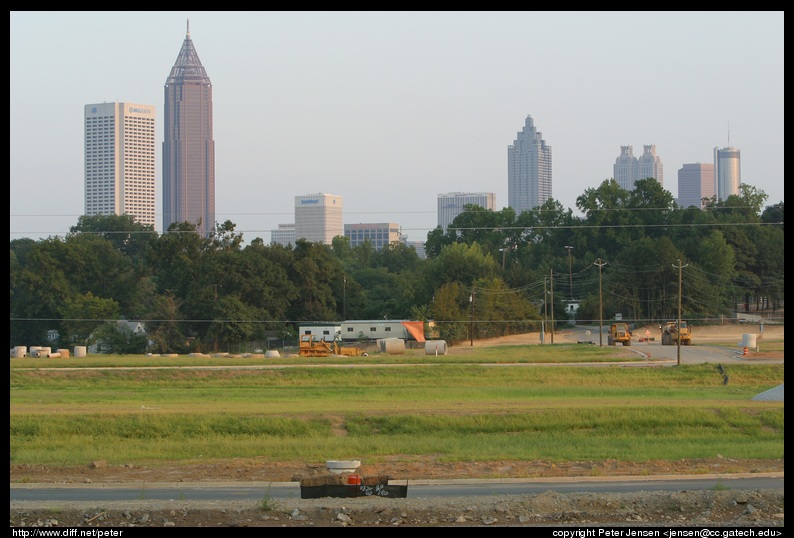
188	65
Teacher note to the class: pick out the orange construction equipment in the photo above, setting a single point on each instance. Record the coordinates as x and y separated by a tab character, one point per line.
311	347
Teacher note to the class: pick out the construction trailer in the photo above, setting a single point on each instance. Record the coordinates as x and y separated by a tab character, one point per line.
377	329
321	331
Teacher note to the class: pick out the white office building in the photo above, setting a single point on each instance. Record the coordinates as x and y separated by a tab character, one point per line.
120	160
628	169
624	171
318	217
649	164
284	235
451	204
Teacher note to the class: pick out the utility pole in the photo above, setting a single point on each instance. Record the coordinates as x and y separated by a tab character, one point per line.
570	272
678	321
551	272
545	312
471	317
600	264
344	297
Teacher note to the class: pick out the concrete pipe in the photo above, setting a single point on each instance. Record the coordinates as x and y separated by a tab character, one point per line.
394	346
436	347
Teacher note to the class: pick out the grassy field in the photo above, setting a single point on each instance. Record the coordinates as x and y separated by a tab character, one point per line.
460	408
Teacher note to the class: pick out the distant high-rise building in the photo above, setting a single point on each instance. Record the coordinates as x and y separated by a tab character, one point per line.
120	160
284	235
451	204
378	234
695	182
650	165
188	147
628	169
419	247
318	217
727	172
625	168
528	170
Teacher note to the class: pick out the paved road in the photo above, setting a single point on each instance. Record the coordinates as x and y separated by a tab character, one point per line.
231	491
655	351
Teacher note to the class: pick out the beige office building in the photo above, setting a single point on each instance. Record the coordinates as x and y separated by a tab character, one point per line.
318	217
695	182
379	234
120	160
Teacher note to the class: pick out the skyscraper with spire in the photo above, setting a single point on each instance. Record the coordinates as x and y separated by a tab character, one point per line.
188	146
528	169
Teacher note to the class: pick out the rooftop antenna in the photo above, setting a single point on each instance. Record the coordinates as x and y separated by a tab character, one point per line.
188	28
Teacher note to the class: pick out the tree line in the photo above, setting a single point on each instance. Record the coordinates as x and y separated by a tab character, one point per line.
491	273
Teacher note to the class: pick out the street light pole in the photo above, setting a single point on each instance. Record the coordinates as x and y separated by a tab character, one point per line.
678	322
570	272
503	251
600	264
545	311
471	318
551	280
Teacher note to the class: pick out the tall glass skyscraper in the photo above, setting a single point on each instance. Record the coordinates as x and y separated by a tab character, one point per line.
188	147
727	171
528	170
119	160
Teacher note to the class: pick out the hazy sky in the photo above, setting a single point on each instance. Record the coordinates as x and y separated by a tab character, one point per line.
389	109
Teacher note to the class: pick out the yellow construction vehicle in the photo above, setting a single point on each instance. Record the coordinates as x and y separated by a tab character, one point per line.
671	333
310	346
619	332
313	347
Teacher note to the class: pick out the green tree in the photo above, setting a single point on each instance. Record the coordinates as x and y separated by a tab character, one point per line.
127	236
316	272
164	325
451	309
83	314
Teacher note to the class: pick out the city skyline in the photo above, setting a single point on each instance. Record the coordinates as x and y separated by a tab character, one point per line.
398	106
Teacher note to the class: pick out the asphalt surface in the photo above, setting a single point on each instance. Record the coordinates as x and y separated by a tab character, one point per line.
235	491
